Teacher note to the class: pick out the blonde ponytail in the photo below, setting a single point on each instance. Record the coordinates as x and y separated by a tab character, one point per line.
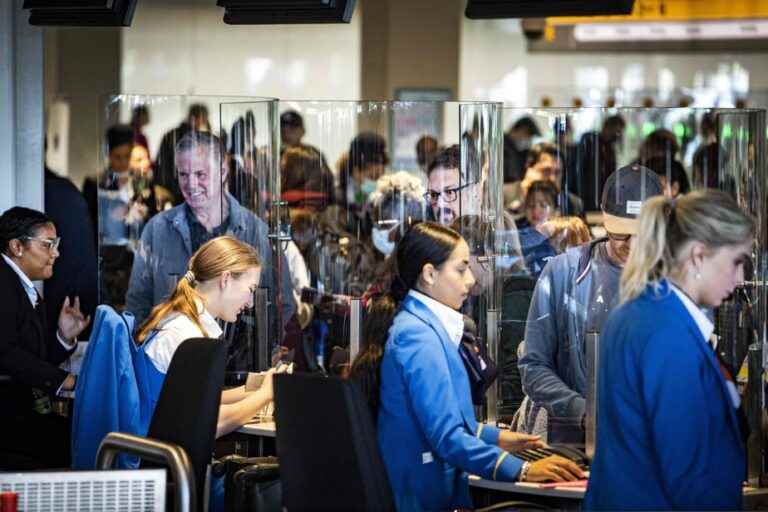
649	259
709	216
183	300
214	257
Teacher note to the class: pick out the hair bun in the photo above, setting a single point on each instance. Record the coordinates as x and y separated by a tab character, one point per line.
398	288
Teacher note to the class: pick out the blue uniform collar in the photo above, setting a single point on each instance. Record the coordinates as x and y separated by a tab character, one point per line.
458	373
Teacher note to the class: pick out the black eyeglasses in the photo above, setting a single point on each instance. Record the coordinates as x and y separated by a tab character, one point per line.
619	238
50	243
449	194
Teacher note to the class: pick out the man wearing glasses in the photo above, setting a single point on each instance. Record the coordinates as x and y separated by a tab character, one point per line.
574	295
451	193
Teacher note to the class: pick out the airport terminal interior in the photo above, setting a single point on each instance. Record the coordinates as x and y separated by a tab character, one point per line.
388	255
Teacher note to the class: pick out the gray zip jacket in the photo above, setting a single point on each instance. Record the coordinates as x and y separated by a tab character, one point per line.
574	295
166	247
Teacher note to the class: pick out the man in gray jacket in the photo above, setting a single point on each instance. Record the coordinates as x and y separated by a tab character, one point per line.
574	295
170	238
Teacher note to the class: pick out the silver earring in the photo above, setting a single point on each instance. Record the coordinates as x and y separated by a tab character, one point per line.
697	276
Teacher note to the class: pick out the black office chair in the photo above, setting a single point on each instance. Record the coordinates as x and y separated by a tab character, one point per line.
326	441
188	408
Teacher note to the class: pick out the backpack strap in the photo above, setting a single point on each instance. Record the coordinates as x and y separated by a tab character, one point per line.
585	259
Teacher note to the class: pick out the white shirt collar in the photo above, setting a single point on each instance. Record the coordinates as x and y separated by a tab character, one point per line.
29	287
210	324
452	320
704	324
207	321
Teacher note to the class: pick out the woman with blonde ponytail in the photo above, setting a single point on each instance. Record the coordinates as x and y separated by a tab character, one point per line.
219	284
667	433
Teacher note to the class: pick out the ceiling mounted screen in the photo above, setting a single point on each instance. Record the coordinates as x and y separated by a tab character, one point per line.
81	13
497	9
275	12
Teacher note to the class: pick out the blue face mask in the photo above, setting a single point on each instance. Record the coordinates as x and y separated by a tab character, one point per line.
381	241
367	187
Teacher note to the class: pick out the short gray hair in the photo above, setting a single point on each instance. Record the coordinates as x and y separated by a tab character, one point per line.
195	139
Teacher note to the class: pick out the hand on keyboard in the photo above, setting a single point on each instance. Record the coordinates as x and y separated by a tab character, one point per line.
572	454
554	469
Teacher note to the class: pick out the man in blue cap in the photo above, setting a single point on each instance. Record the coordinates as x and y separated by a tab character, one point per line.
574	295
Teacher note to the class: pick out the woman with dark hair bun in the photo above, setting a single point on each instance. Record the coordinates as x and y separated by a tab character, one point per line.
428	434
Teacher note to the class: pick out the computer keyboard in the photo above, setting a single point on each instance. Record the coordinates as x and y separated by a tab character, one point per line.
534	454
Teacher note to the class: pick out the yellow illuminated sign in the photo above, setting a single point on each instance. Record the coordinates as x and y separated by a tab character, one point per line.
677	10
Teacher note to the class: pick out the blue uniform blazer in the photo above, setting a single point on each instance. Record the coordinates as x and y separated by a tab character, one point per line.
427	430
108	398
667	433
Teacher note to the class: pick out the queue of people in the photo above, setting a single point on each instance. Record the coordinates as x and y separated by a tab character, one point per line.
419	251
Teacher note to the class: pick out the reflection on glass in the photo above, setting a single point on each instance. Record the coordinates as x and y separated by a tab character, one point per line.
543	381
346	219
211	176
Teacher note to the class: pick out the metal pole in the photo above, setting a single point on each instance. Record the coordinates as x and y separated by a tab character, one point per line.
755	411
593	361
492	395
355	327
261	305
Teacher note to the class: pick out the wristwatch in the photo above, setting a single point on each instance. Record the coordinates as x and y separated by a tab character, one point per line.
524	472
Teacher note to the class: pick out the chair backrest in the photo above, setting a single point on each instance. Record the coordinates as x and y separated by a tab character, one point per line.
188	407
327	446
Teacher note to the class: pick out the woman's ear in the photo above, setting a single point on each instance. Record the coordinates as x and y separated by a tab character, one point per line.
697	252
224	279
428	274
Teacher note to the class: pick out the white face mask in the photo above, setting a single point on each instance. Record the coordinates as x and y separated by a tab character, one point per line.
506	262
381	241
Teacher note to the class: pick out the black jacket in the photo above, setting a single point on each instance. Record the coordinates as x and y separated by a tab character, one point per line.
75	272
28	355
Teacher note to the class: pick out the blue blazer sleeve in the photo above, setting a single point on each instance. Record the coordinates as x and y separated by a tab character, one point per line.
434	398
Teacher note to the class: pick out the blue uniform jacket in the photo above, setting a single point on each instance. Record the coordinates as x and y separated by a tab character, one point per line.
107	397
667	433
427	431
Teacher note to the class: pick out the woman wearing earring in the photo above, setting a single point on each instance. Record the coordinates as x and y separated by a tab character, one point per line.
428	434
219	284
667	432
33	437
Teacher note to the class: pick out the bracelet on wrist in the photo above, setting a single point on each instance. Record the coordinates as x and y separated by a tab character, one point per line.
524	472
61	336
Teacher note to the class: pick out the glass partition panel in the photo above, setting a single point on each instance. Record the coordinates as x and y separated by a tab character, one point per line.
178	171
356	175
557	164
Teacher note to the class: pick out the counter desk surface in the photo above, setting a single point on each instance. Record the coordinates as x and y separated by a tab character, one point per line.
752	495
263	429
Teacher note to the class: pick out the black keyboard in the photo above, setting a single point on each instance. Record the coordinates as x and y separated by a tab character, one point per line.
534	454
